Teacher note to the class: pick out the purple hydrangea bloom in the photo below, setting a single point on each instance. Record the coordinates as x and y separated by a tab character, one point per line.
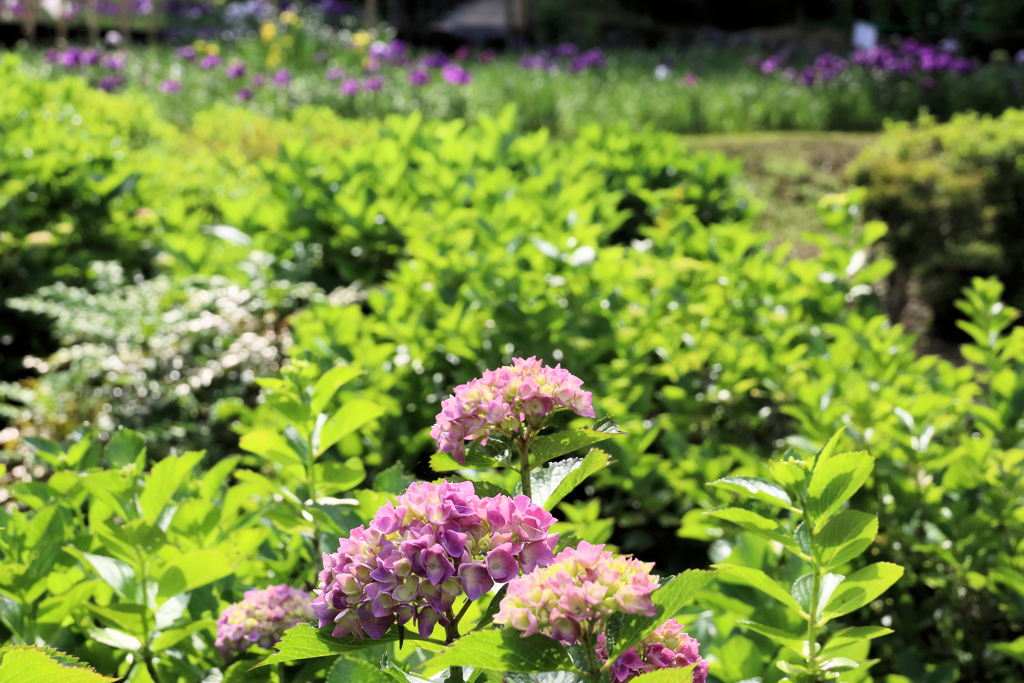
524	392
374	83
349	87
261	618
169	86
435	60
70	56
258	80
566	50
419	77
243	94
210	61
235	70
435	543
335	74
455	74
53	55
111	83
281	77
591	59
771	64
531	62
187	52
577	593
808	76
89	57
667	648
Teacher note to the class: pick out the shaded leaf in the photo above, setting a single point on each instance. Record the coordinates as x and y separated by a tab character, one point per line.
833	482
844	537
328	385
305	641
755	578
550	446
862	587
352	416
503	650
849	636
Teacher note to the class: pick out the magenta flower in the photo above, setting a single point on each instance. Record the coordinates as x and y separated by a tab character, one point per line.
576	594
243	94
462	52
667	648
435	60
169	86
503	400
335	74
235	70
111	83
258	80
419	77
69	57
434	544
487	56
89	57
261	618
281	77
531	62
115	62
455	74
690	80
349	87
373	83
566	50
187	52
210	61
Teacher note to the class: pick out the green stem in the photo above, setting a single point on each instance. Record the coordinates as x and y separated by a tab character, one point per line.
451	634
311	473
593	673
524	466
812	624
280	672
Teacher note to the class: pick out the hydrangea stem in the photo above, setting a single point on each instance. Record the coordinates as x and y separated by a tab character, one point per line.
812	624
594	673
524	466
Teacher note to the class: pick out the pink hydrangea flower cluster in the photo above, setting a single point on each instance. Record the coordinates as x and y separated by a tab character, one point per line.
504	399
667	648
576	595
435	543
261	618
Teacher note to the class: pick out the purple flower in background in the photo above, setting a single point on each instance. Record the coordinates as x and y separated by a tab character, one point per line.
115	62
771	64
566	50
187	52
419	77
210	61
789	74
462	52
435	60
373	84
591	59
89	56
1019	57
243	94
258	80
171	85
281	77
487	56
531	62
690	79
53	55
111	83
455	74
808	76
335	74
961	65
235	70
349	87
261	618
69	57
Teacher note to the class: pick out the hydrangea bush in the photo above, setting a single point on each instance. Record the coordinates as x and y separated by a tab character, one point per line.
261	618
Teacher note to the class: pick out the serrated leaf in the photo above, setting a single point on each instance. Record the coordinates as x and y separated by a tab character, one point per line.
803	587
164	479
124	448
444	462
328	385
551	446
861	587
549	485
348	670
833	483
796	643
26	664
828	450
788	473
612	630
305	641
668	600
844	537
762	526
849	636
352	416
503	650
755	578
759	489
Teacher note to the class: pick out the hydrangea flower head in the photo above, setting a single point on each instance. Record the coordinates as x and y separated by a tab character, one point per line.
503	400
576	595
261	618
667	648
435	543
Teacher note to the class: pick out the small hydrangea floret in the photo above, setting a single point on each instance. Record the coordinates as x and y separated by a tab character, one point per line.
506	400
667	648
435	543
572	598
261	618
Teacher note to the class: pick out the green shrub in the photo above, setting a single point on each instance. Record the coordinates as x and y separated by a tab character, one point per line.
953	195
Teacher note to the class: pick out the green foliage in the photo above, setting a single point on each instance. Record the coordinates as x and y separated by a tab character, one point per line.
26	663
817	537
950	194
